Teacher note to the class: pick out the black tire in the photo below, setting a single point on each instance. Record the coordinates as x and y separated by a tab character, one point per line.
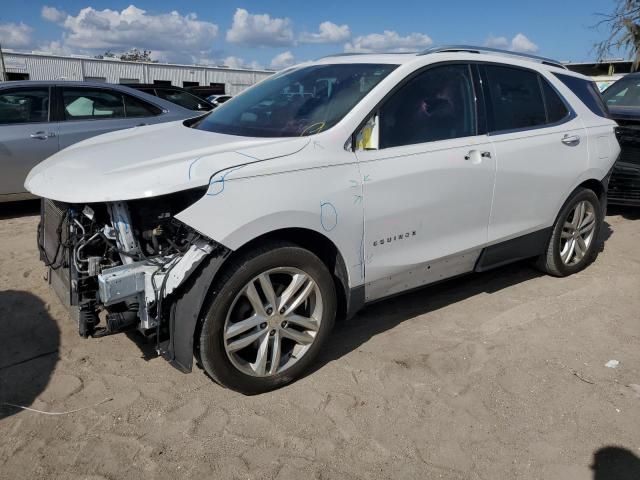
551	262
237	274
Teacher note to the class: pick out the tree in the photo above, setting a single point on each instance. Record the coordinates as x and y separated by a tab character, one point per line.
133	55
624	30
107	54
136	55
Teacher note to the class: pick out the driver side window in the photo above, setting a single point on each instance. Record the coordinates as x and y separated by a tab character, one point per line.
437	104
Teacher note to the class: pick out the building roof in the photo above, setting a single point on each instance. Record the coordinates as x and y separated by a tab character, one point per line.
116	60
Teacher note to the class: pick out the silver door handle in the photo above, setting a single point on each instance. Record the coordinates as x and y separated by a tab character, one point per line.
482	155
42	135
571	140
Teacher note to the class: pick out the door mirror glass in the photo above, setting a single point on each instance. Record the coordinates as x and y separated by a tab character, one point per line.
368	137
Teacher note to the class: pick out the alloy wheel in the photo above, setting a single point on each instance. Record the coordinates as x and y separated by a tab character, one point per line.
577	233
273	321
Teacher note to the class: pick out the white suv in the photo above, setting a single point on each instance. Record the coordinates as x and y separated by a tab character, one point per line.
240	236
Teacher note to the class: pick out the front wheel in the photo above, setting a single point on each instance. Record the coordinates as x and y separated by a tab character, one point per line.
270	314
575	239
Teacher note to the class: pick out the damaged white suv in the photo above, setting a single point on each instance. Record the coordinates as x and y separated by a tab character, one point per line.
240	236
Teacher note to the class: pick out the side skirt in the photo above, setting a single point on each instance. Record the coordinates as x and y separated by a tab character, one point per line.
422	274
519	248
430	273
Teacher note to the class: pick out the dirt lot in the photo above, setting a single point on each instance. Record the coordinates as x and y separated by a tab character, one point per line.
493	376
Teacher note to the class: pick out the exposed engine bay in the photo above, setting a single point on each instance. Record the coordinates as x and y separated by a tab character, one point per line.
116	263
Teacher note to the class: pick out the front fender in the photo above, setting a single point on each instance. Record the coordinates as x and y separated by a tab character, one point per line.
327	200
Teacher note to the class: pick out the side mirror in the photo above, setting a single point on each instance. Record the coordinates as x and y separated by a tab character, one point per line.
368	138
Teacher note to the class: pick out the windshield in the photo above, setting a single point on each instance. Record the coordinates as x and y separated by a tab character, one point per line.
301	102
623	93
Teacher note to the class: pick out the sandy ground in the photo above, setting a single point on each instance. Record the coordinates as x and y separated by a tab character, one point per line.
493	376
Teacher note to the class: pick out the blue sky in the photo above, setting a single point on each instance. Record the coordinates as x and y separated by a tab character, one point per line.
278	33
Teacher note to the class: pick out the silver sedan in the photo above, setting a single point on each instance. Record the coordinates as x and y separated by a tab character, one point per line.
37	119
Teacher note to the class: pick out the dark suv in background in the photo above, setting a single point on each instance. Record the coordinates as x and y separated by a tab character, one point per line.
177	95
623	100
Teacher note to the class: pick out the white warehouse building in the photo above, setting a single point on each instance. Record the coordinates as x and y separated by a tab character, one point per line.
44	66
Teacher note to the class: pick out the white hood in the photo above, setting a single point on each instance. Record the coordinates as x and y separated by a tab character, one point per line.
148	161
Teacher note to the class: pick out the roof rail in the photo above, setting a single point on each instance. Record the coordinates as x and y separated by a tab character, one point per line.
495	51
346	54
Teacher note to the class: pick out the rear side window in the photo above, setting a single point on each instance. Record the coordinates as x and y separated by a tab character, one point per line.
28	105
587	92
556	108
89	104
135	107
515	99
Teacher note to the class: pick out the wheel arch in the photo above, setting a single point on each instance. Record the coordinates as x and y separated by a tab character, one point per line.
188	306
321	246
597	186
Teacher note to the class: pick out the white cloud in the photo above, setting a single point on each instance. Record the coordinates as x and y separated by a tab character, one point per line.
56	47
15	35
233	62
282	60
496	42
52	14
389	41
237	62
519	43
259	30
170	36
328	32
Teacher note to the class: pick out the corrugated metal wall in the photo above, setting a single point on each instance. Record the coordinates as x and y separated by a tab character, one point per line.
49	67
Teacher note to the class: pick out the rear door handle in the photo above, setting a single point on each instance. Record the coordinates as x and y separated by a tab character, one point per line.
472	153
571	140
475	157
42	135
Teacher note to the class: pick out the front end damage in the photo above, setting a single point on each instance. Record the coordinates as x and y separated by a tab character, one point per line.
121	266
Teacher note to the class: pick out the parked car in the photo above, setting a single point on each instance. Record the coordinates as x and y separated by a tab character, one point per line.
38	119
218	99
623	100
204	91
241	235
176	95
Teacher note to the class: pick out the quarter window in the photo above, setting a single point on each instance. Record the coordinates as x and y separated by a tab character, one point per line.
29	105
437	104
587	92
515	99
88	104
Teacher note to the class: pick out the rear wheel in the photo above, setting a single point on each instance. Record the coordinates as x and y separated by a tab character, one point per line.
269	317
574	241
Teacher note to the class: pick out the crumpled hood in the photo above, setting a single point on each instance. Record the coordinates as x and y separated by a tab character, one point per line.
148	161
